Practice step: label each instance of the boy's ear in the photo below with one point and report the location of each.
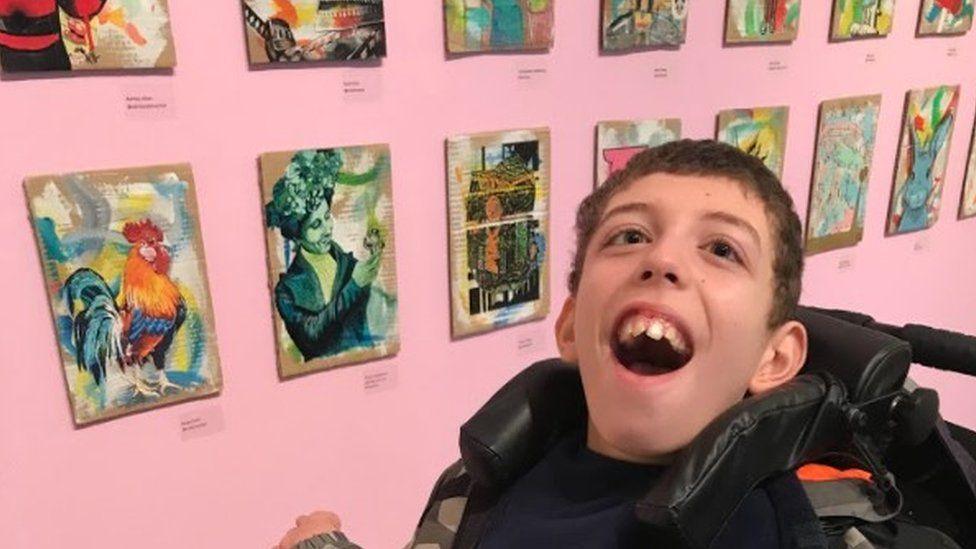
(566, 331)
(784, 356)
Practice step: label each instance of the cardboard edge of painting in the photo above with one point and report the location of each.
(902, 135)
(461, 327)
(32, 185)
(968, 179)
(287, 367)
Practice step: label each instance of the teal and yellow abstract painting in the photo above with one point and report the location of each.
(498, 193)
(842, 168)
(923, 155)
(760, 132)
(125, 273)
(967, 208)
(945, 17)
(861, 18)
(617, 141)
(498, 25)
(630, 24)
(761, 21)
(329, 228)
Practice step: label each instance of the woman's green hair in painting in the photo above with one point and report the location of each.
(310, 178)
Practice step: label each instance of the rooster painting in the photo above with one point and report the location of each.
(134, 327)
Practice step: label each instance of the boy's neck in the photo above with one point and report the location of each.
(597, 444)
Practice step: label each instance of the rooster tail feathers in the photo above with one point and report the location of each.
(97, 334)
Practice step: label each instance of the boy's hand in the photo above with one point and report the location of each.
(306, 526)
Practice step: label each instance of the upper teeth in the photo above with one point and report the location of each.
(654, 328)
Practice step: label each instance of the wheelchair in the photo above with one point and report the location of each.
(852, 406)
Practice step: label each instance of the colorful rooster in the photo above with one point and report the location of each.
(141, 325)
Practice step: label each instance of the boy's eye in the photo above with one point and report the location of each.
(724, 250)
(627, 236)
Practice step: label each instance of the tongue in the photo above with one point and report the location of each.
(646, 369)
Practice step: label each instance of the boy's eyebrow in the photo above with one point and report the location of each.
(630, 207)
(726, 217)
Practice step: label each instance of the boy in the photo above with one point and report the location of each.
(682, 294)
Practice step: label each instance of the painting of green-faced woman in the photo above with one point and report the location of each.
(329, 226)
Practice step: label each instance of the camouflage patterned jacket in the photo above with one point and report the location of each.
(455, 517)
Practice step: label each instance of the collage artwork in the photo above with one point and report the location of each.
(498, 25)
(127, 281)
(75, 35)
(121, 250)
(283, 31)
(842, 167)
(749, 21)
(923, 154)
(498, 192)
(631, 24)
(329, 229)
(619, 140)
(760, 132)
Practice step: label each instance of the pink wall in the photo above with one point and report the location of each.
(321, 440)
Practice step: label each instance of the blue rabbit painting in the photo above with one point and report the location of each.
(922, 160)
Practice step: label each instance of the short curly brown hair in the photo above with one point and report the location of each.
(711, 158)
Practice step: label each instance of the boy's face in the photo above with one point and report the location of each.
(669, 325)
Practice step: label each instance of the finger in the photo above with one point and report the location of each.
(290, 540)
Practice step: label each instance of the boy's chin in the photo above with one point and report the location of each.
(650, 446)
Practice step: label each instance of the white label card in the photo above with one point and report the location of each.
(149, 101)
(202, 423)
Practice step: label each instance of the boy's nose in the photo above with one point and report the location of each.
(661, 266)
(669, 276)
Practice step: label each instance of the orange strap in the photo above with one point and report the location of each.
(816, 472)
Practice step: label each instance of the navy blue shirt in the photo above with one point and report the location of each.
(575, 498)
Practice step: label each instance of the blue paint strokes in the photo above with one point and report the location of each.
(49, 240)
(507, 29)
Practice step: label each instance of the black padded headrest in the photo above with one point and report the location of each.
(757, 438)
(869, 363)
(519, 424)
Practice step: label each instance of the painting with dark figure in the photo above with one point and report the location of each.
(329, 217)
(499, 195)
(64, 35)
(282, 31)
(631, 24)
(123, 260)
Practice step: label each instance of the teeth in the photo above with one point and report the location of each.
(656, 328)
(639, 326)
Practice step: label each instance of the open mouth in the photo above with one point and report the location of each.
(650, 344)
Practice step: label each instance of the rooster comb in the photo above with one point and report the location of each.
(142, 231)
